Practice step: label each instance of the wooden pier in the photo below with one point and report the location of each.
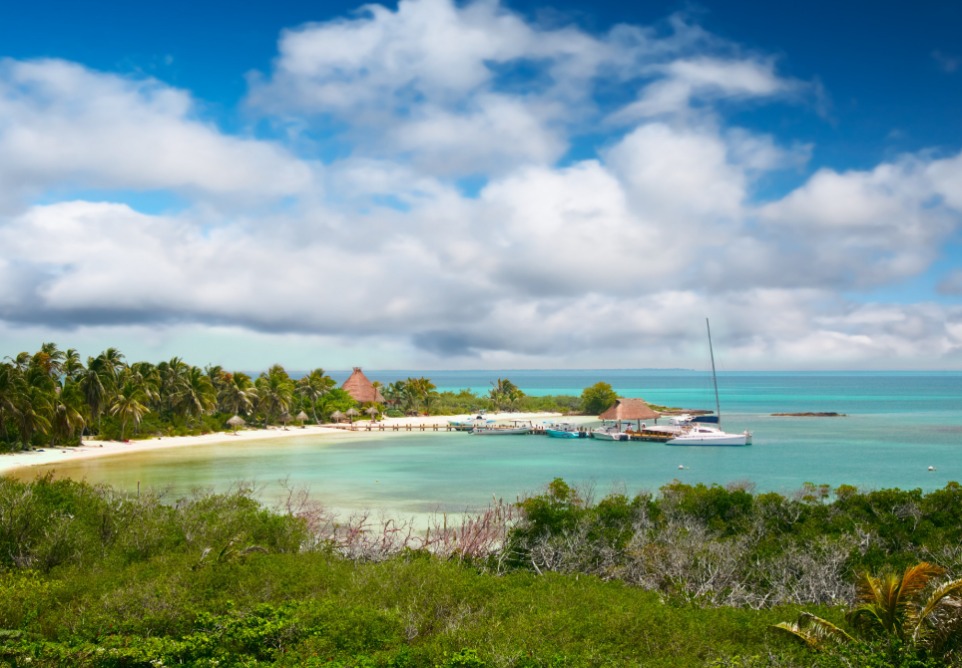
(362, 426)
(650, 436)
(645, 435)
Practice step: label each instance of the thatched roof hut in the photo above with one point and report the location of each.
(361, 389)
(630, 409)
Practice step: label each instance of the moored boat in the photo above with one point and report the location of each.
(701, 434)
(609, 434)
(564, 430)
(698, 431)
(468, 424)
(515, 429)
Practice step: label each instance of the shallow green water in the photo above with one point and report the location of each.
(897, 426)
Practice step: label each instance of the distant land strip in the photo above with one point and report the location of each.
(827, 414)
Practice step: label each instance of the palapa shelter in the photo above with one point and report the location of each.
(630, 410)
(361, 389)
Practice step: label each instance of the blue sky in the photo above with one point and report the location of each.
(484, 185)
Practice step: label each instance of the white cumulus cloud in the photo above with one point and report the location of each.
(62, 124)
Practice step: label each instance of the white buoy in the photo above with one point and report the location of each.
(931, 468)
(681, 466)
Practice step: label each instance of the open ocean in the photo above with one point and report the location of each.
(896, 426)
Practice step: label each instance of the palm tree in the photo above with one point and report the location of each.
(128, 406)
(396, 394)
(31, 416)
(418, 390)
(111, 362)
(313, 386)
(92, 388)
(237, 394)
(9, 391)
(146, 375)
(21, 361)
(893, 606)
(171, 379)
(275, 391)
(49, 359)
(35, 397)
(72, 366)
(216, 375)
(196, 394)
(67, 417)
(505, 394)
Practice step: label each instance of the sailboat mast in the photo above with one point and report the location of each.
(714, 378)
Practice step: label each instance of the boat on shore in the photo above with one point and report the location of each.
(700, 430)
(469, 423)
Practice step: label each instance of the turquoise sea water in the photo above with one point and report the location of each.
(897, 425)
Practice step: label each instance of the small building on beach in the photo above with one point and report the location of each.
(630, 410)
(361, 389)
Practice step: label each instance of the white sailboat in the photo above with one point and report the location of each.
(706, 434)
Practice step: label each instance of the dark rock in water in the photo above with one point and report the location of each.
(827, 414)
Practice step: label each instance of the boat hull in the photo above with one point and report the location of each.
(495, 431)
(468, 424)
(711, 439)
(563, 433)
(609, 435)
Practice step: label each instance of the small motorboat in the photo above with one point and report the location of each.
(469, 423)
(611, 432)
(514, 429)
(565, 430)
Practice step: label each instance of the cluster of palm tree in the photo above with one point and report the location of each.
(505, 395)
(414, 395)
(51, 397)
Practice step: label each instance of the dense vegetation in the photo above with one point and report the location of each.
(53, 397)
(693, 576)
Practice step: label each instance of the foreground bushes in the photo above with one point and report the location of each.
(320, 610)
(695, 576)
(721, 546)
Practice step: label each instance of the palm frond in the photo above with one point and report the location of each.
(869, 589)
(814, 631)
(944, 595)
(797, 632)
(916, 578)
(867, 616)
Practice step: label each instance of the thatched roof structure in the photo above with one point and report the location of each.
(361, 389)
(630, 409)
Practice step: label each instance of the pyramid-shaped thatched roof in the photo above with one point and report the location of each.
(363, 390)
(630, 409)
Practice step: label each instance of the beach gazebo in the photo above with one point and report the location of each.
(351, 414)
(235, 422)
(302, 418)
(337, 415)
(630, 410)
(361, 389)
(373, 412)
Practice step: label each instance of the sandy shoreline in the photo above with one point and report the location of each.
(91, 448)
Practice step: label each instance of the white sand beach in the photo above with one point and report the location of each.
(93, 448)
